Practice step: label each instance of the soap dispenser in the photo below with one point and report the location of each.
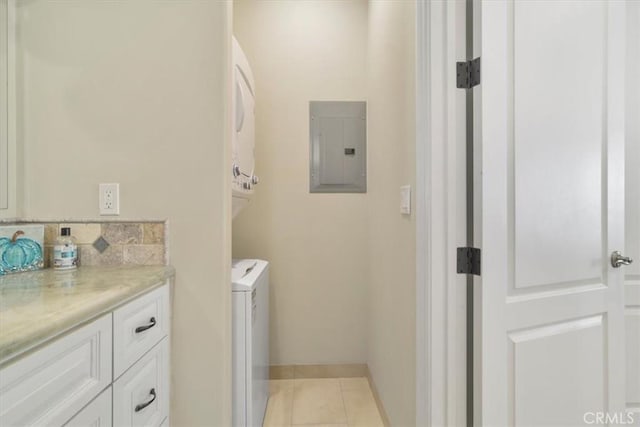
(65, 251)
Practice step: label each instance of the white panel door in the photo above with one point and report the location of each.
(550, 192)
(632, 205)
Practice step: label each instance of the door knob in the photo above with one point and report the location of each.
(617, 259)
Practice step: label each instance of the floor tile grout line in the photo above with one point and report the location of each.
(344, 404)
(293, 393)
(341, 385)
(302, 380)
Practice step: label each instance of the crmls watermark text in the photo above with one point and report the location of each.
(606, 418)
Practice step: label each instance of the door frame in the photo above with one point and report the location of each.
(440, 215)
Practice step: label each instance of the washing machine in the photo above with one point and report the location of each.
(250, 324)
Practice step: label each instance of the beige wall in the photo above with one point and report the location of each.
(316, 243)
(391, 339)
(343, 265)
(135, 92)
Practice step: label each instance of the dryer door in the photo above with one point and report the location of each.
(244, 126)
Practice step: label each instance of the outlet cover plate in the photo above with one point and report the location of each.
(109, 199)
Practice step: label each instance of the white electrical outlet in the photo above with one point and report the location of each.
(109, 196)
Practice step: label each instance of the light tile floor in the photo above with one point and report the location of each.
(336, 402)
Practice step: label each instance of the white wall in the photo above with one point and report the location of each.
(136, 92)
(317, 243)
(391, 340)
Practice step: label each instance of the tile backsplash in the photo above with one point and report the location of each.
(112, 243)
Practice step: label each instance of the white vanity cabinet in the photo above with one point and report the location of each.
(114, 371)
(141, 361)
(98, 413)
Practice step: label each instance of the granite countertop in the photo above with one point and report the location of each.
(39, 306)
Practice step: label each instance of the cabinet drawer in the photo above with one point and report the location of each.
(141, 395)
(50, 385)
(138, 326)
(96, 413)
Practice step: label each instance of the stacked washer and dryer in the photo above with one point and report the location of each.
(249, 277)
(244, 135)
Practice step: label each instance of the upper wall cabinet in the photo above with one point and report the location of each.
(7, 111)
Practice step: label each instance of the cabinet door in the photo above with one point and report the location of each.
(7, 110)
(138, 326)
(96, 413)
(141, 395)
(4, 152)
(52, 384)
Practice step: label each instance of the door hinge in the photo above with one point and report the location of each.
(469, 261)
(468, 73)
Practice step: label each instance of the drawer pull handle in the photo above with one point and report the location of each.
(151, 324)
(141, 406)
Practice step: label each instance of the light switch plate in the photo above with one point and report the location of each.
(405, 199)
